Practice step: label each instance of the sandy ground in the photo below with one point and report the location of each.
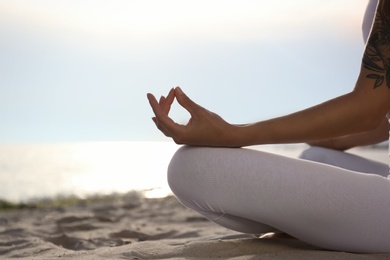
(132, 227)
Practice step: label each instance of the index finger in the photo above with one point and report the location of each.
(162, 118)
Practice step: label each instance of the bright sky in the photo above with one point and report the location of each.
(79, 70)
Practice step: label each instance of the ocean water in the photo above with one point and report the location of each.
(47, 170)
(30, 171)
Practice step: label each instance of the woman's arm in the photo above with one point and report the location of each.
(361, 110)
(378, 135)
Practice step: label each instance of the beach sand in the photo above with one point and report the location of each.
(133, 227)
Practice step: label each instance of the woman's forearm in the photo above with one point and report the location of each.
(380, 134)
(344, 115)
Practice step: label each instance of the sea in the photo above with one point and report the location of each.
(40, 171)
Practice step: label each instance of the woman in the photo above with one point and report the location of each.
(344, 208)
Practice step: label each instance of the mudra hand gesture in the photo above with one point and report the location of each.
(204, 128)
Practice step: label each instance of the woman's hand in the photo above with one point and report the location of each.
(203, 129)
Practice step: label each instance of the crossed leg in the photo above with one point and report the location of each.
(256, 192)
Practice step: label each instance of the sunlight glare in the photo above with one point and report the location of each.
(120, 166)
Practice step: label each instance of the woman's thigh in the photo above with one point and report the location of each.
(321, 204)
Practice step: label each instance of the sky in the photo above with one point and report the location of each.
(79, 70)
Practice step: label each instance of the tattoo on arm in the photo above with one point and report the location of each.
(376, 56)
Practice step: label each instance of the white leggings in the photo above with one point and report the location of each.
(256, 192)
(328, 198)
(368, 18)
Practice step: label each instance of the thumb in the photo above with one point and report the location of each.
(185, 101)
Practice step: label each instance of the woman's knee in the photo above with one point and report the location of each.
(316, 154)
(344, 160)
(176, 168)
(187, 175)
(182, 168)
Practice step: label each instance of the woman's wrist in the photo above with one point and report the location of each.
(248, 134)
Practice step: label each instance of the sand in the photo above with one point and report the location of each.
(132, 227)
